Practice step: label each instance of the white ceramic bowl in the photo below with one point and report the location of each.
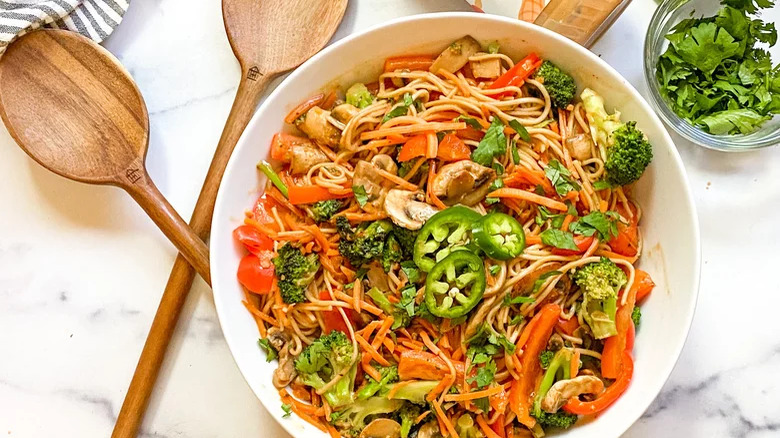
(669, 227)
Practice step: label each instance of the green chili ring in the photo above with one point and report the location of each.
(446, 229)
(455, 285)
(501, 236)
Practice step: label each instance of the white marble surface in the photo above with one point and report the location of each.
(82, 269)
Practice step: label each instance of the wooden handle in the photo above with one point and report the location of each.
(130, 416)
(143, 190)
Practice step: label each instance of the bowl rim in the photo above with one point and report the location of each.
(674, 350)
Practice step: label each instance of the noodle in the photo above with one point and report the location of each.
(381, 301)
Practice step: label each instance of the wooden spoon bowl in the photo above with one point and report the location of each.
(75, 110)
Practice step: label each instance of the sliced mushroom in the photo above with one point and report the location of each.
(376, 185)
(555, 343)
(377, 277)
(454, 57)
(277, 338)
(580, 146)
(429, 430)
(486, 68)
(316, 125)
(463, 182)
(563, 390)
(408, 209)
(382, 428)
(344, 112)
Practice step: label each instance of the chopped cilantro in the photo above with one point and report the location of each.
(270, 351)
(605, 224)
(560, 177)
(360, 195)
(520, 129)
(492, 145)
(559, 239)
(287, 410)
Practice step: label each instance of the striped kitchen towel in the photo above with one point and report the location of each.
(94, 19)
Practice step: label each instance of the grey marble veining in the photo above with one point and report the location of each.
(82, 268)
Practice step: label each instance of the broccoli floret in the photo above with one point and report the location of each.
(560, 420)
(363, 244)
(326, 357)
(628, 151)
(352, 420)
(389, 375)
(600, 282)
(545, 358)
(392, 253)
(408, 414)
(636, 316)
(406, 239)
(401, 317)
(559, 85)
(295, 272)
(629, 155)
(324, 210)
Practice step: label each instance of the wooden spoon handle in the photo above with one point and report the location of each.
(143, 190)
(180, 281)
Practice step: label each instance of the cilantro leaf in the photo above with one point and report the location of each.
(560, 177)
(559, 239)
(400, 110)
(493, 144)
(411, 270)
(743, 120)
(270, 351)
(408, 295)
(469, 121)
(485, 374)
(287, 410)
(360, 195)
(709, 46)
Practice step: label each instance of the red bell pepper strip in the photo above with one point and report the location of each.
(452, 148)
(568, 326)
(627, 240)
(332, 318)
(311, 194)
(614, 346)
(262, 212)
(470, 133)
(413, 62)
(644, 284)
(517, 74)
(413, 148)
(253, 240)
(521, 393)
(606, 398)
(498, 426)
(256, 274)
(582, 242)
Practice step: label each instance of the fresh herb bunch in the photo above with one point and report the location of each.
(715, 75)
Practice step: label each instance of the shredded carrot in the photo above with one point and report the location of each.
(603, 206)
(421, 416)
(333, 432)
(369, 329)
(525, 195)
(447, 423)
(489, 433)
(574, 365)
(304, 107)
(365, 217)
(493, 390)
(408, 129)
(382, 332)
(437, 390)
(566, 222)
(388, 343)
(318, 236)
(371, 371)
(371, 351)
(614, 255)
(396, 179)
(414, 345)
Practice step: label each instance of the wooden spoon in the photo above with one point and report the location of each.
(268, 37)
(75, 110)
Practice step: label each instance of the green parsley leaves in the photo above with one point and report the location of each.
(400, 110)
(493, 144)
(714, 74)
(270, 351)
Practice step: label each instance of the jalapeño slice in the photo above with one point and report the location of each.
(445, 230)
(501, 236)
(455, 285)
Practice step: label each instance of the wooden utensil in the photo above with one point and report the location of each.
(75, 110)
(268, 37)
(582, 21)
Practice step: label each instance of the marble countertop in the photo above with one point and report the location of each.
(82, 268)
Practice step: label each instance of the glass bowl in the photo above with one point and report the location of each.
(668, 14)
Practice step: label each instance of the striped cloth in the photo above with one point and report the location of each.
(95, 19)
